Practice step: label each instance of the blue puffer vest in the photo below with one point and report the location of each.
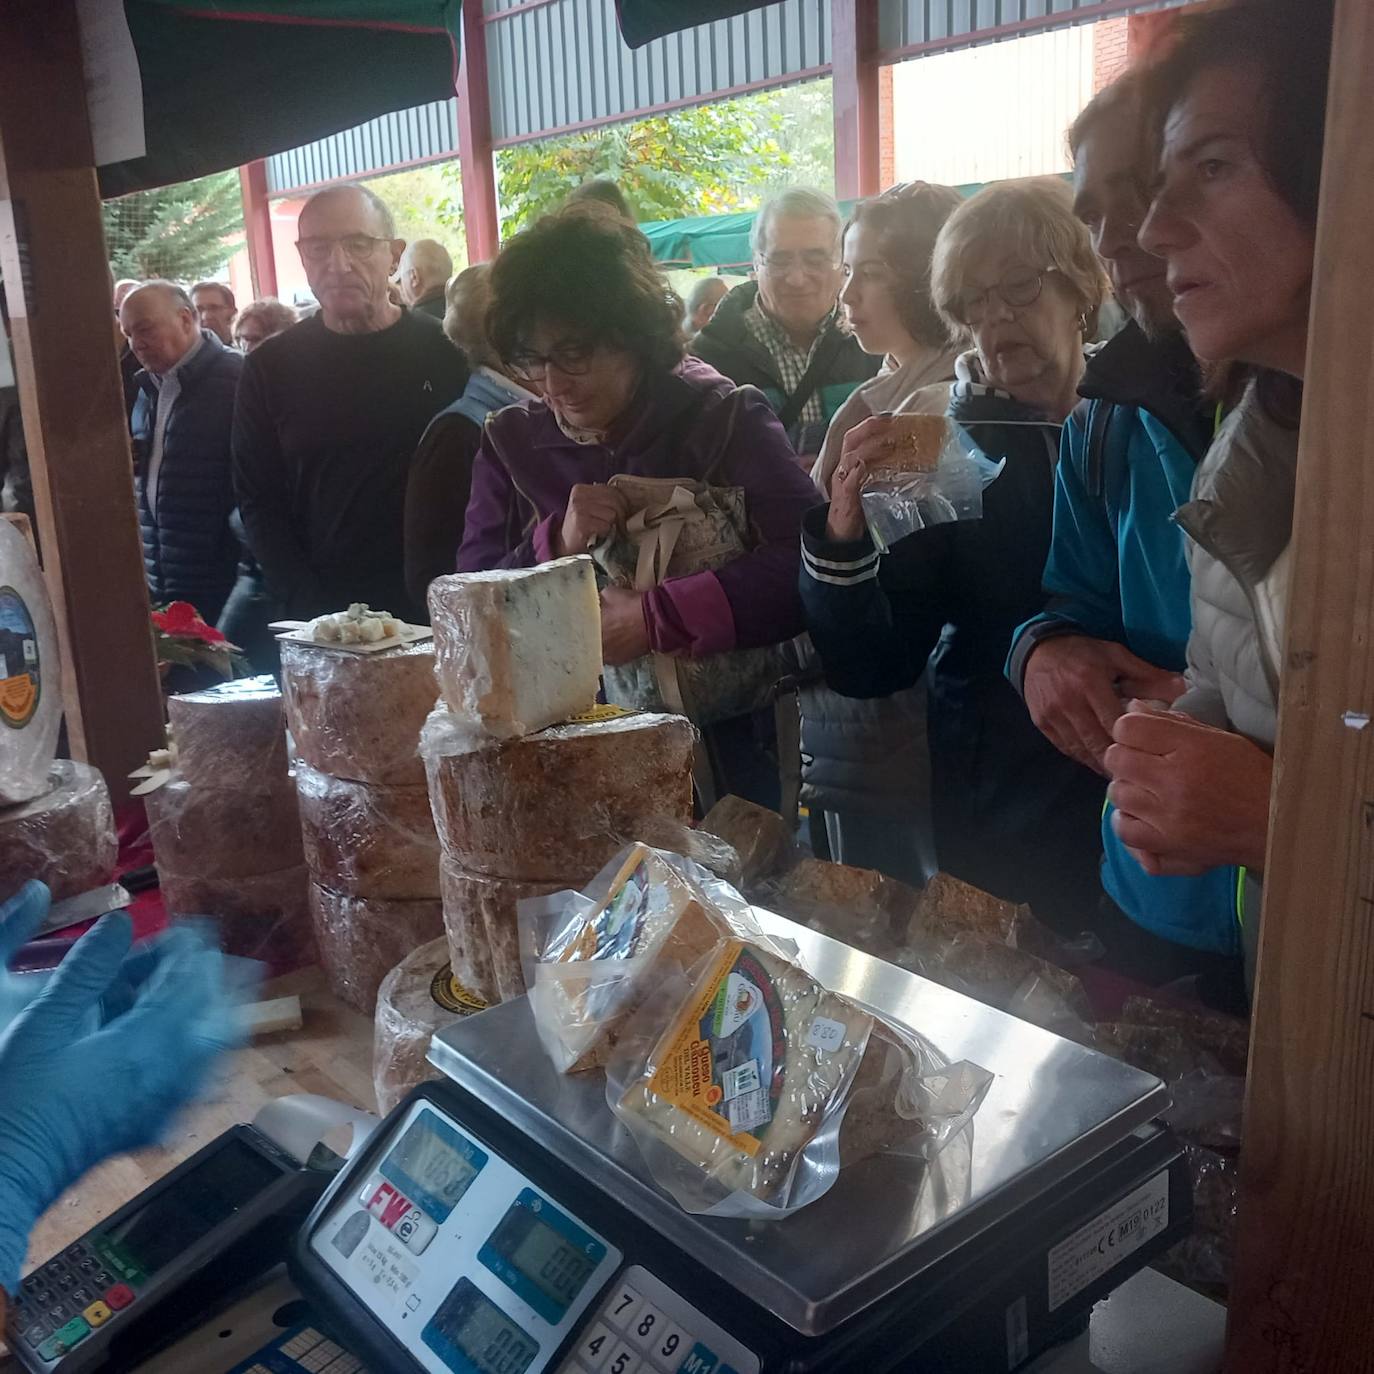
(189, 551)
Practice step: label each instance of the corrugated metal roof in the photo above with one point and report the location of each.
(564, 64)
(904, 25)
(421, 134)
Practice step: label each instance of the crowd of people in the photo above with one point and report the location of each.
(1069, 701)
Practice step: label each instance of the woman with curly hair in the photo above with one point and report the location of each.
(580, 310)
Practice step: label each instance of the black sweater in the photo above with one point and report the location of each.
(1012, 814)
(324, 431)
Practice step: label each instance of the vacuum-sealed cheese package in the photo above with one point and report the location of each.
(64, 837)
(748, 1085)
(30, 672)
(591, 957)
(231, 737)
(359, 715)
(214, 832)
(517, 649)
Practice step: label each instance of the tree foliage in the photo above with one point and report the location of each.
(181, 232)
(706, 160)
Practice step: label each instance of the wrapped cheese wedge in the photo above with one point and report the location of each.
(594, 956)
(65, 836)
(755, 1065)
(231, 737)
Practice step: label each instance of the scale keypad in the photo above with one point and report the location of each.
(644, 1327)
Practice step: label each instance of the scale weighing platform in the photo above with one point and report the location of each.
(502, 1221)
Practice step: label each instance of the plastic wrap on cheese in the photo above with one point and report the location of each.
(948, 907)
(264, 916)
(862, 908)
(217, 832)
(65, 837)
(231, 736)
(359, 715)
(756, 1061)
(366, 839)
(517, 649)
(761, 838)
(30, 673)
(361, 939)
(478, 909)
(557, 805)
(419, 996)
(593, 956)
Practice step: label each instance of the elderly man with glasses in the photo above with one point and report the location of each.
(329, 414)
(783, 332)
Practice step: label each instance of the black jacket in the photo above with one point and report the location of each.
(1012, 814)
(729, 345)
(189, 552)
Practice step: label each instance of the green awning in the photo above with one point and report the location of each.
(641, 21)
(228, 81)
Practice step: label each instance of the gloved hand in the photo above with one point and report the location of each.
(20, 918)
(69, 1099)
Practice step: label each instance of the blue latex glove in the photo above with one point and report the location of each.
(20, 918)
(69, 1099)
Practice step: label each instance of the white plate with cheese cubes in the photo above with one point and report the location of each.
(358, 630)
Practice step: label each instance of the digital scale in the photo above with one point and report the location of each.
(502, 1221)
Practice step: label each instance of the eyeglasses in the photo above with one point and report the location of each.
(357, 247)
(814, 262)
(1017, 290)
(572, 360)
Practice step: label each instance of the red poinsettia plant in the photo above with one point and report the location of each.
(182, 637)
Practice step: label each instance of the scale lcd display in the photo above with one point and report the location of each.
(552, 1261)
(473, 1336)
(433, 1165)
(169, 1223)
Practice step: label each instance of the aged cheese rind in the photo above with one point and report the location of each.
(65, 838)
(518, 649)
(361, 939)
(474, 907)
(405, 1021)
(368, 840)
(814, 1080)
(948, 906)
(864, 909)
(231, 736)
(264, 916)
(215, 832)
(759, 836)
(359, 715)
(560, 804)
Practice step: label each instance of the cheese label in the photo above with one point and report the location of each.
(612, 930)
(20, 671)
(724, 1060)
(452, 995)
(596, 714)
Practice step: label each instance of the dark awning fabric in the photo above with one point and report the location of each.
(641, 21)
(228, 81)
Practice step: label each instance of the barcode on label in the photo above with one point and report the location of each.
(825, 1034)
(744, 1079)
(748, 1111)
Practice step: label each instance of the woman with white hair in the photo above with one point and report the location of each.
(1013, 275)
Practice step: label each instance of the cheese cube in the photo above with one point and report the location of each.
(518, 649)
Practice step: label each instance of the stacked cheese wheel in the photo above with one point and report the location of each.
(64, 837)
(225, 829)
(526, 800)
(364, 809)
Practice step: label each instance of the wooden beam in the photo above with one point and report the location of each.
(856, 96)
(257, 224)
(1302, 1299)
(57, 286)
(475, 157)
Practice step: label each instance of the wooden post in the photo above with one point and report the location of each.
(257, 225)
(57, 286)
(480, 223)
(1302, 1299)
(856, 95)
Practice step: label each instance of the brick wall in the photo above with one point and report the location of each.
(1111, 51)
(887, 157)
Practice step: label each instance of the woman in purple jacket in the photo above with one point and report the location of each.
(579, 308)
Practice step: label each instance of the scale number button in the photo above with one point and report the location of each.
(623, 1361)
(648, 1322)
(669, 1345)
(624, 1307)
(596, 1349)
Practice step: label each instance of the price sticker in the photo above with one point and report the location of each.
(825, 1034)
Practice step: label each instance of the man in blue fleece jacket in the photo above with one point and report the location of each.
(1117, 623)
